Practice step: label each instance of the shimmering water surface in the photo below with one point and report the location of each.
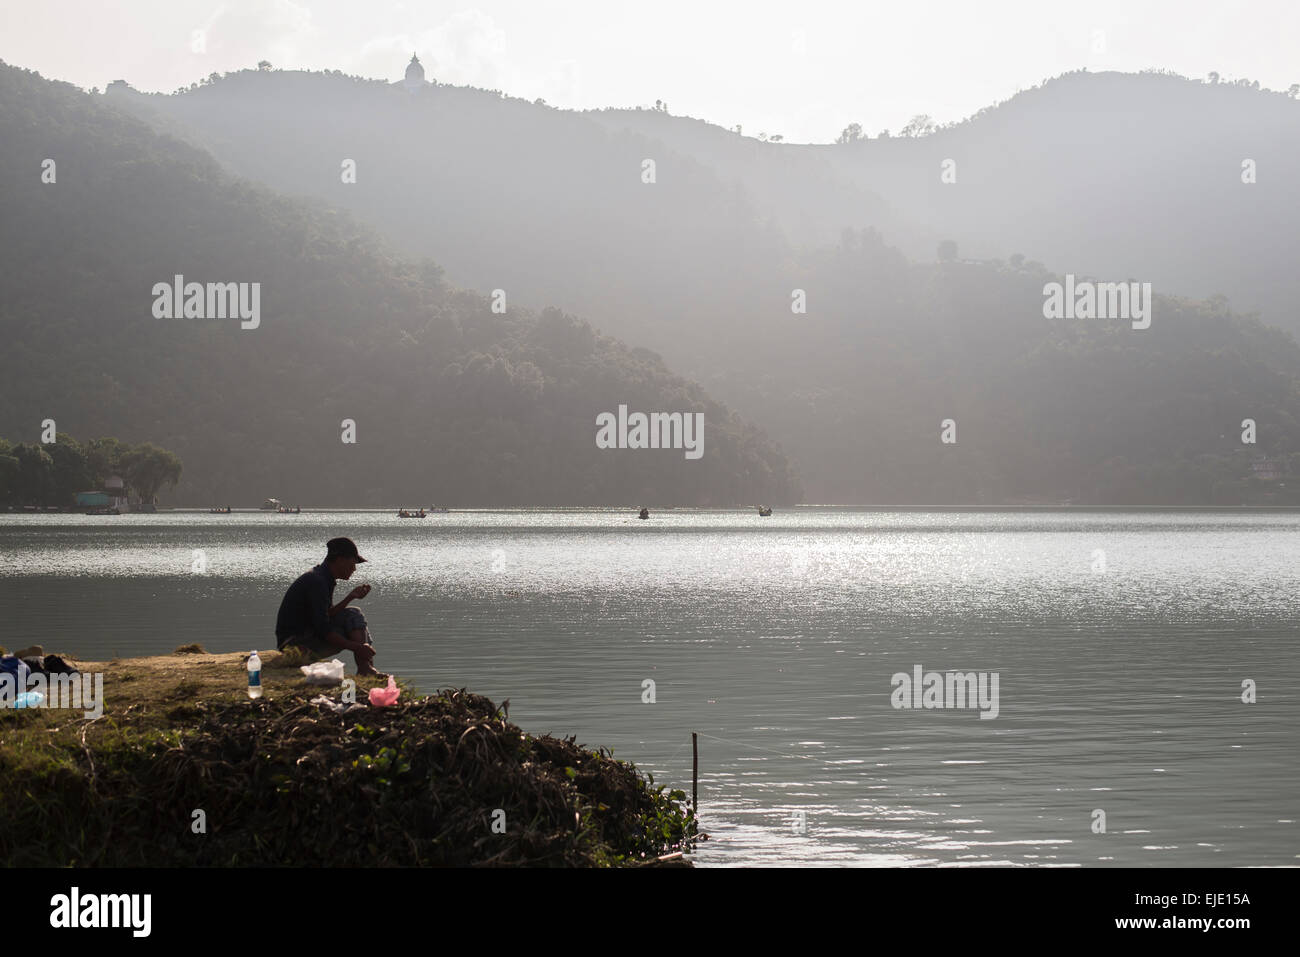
(1121, 641)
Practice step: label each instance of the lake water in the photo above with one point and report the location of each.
(1121, 641)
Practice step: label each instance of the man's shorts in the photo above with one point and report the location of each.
(344, 623)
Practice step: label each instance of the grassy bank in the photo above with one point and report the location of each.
(183, 769)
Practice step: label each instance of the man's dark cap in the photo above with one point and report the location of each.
(342, 546)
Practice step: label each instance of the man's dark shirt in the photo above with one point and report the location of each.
(306, 606)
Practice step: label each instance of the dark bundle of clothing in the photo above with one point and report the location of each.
(23, 668)
(49, 665)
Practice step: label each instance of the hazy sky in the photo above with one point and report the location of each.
(802, 69)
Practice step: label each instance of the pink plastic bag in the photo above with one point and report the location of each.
(381, 697)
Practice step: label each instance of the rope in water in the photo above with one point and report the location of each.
(803, 757)
(753, 747)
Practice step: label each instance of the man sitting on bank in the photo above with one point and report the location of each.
(309, 619)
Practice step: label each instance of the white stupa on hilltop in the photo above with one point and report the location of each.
(414, 75)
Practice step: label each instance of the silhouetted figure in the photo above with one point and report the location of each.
(308, 618)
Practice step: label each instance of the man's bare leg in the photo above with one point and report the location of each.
(362, 651)
(365, 655)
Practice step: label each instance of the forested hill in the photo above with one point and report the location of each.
(1108, 173)
(452, 402)
(703, 265)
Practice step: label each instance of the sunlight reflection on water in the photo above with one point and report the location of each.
(777, 637)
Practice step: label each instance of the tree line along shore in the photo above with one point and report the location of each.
(60, 472)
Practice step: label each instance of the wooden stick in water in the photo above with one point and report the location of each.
(695, 774)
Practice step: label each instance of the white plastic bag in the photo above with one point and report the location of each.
(324, 672)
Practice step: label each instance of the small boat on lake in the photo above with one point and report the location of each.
(644, 513)
(286, 510)
(271, 505)
(765, 510)
(410, 513)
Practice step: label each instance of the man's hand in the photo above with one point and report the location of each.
(361, 591)
(364, 653)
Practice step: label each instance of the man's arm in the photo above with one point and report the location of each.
(342, 642)
(336, 639)
(357, 593)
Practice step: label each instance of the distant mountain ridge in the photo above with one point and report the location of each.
(1110, 174)
(705, 254)
(450, 402)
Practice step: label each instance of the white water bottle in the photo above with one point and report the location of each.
(254, 675)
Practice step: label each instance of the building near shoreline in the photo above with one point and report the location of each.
(112, 495)
(1268, 469)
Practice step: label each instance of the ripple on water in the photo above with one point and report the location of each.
(1120, 689)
